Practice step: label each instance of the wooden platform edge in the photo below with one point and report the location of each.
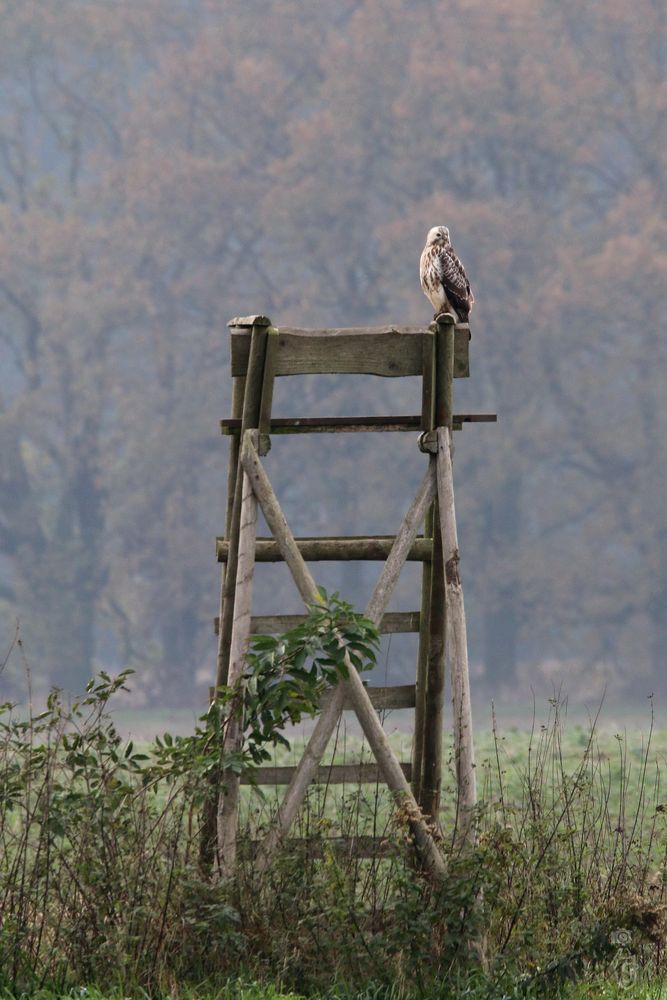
(389, 351)
(351, 425)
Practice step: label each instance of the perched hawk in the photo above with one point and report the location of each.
(442, 276)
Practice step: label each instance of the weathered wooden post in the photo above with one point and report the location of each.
(433, 730)
(247, 391)
(424, 650)
(457, 642)
(250, 413)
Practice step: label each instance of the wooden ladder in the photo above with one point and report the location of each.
(259, 354)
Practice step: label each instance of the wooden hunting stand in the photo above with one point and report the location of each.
(439, 353)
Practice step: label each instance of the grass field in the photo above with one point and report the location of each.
(594, 990)
(629, 762)
(101, 879)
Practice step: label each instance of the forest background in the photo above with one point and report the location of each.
(168, 164)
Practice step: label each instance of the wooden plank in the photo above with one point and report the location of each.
(330, 425)
(363, 548)
(333, 774)
(393, 775)
(347, 425)
(388, 698)
(393, 623)
(464, 750)
(386, 351)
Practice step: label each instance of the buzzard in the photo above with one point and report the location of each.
(442, 276)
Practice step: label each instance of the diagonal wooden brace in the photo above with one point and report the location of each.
(333, 703)
(352, 686)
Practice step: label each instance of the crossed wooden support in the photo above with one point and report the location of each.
(256, 488)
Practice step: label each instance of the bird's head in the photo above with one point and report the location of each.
(439, 234)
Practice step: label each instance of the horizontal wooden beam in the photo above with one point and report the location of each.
(386, 699)
(334, 774)
(387, 351)
(318, 847)
(392, 622)
(344, 549)
(330, 425)
(347, 425)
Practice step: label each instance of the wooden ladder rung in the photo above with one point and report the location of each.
(389, 698)
(344, 548)
(333, 774)
(348, 425)
(392, 622)
(386, 699)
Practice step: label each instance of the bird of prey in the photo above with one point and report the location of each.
(442, 276)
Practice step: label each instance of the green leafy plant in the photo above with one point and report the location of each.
(100, 880)
(288, 674)
(284, 680)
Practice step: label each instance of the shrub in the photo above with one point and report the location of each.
(100, 878)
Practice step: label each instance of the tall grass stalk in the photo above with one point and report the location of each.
(100, 879)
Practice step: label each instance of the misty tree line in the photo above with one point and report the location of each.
(169, 164)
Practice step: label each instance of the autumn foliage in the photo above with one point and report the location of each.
(167, 165)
